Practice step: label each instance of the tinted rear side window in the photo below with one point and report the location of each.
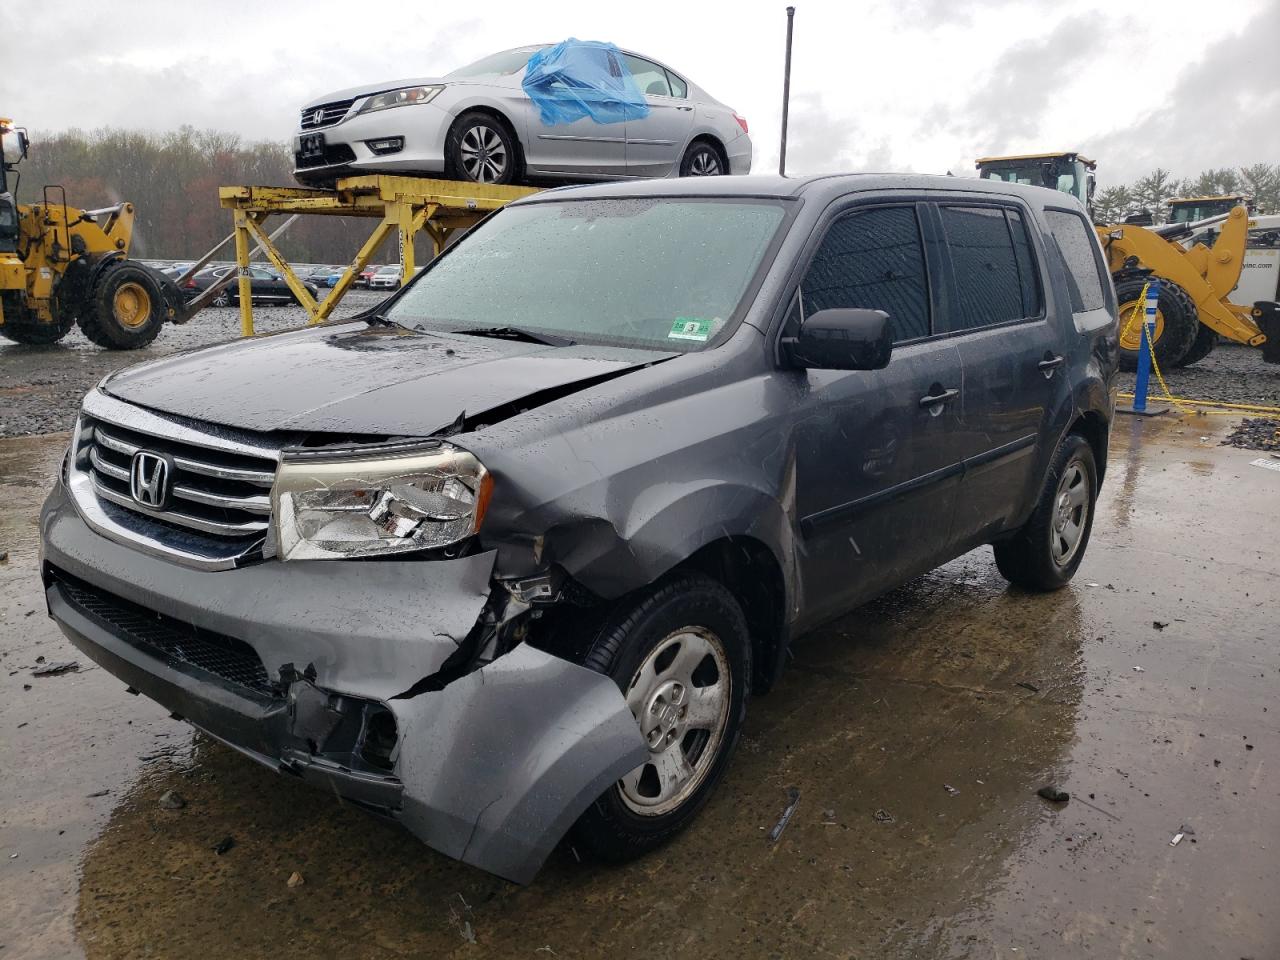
(873, 259)
(1028, 276)
(988, 278)
(1078, 244)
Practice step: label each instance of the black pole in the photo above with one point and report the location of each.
(786, 95)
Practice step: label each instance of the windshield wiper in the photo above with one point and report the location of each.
(519, 333)
(384, 320)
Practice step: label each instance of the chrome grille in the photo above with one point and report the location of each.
(325, 115)
(215, 492)
(219, 493)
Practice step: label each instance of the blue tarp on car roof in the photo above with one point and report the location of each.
(583, 78)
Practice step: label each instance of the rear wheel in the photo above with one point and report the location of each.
(702, 160)
(22, 326)
(481, 149)
(125, 310)
(681, 655)
(1177, 323)
(1046, 552)
(1206, 339)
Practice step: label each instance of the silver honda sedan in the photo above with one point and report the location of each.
(477, 123)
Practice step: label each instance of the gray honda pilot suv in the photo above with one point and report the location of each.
(504, 560)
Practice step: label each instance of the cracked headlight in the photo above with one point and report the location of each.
(329, 509)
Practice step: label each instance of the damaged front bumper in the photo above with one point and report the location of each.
(324, 670)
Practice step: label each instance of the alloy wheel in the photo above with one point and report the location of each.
(705, 163)
(680, 697)
(484, 155)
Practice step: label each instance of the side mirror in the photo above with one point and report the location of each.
(846, 339)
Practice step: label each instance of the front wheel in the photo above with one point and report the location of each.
(481, 149)
(681, 655)
(1176, 325)
(1046, 552)
(126, 308)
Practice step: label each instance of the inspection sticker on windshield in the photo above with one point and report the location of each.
(690, 328)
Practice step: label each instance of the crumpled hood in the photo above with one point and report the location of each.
(354, 378)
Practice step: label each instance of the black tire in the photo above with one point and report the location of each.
(481, 149)
(126, 308)
(702, 159)
(1027, 559)
(1181, 322)
(611, 829)
(21, 326)
(1206, 339)
(222, 298)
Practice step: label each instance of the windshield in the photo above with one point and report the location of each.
(1201, 210)
(508, 61)
(660, 273)
(1064, 177)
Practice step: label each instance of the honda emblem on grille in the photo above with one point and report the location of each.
(150, 476)
(317, 118)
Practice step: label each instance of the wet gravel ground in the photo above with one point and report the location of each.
(1233, 373)
(41, 387)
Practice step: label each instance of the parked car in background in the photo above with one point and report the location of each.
(266, 285)
(365, 275)
(477, 123)
(386, 278)
(319, 275)
(507, 559)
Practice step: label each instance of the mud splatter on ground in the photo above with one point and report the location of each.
(1256, 433)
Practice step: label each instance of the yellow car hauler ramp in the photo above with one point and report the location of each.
(406, 205)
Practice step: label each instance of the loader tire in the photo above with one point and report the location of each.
(22, 326)
(1177, 322)
(1206, 339)
(125, 309)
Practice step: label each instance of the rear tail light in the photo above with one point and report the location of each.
(742, 122)
(190, 284)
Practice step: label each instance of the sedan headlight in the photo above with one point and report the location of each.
(402, 97)
(347, 508)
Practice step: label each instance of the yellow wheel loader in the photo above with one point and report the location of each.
(1194, 306)
(60, 266)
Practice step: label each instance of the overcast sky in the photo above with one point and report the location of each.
(918, 85)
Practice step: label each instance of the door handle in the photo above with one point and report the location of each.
(684, 108)
(1049, 364)
(935, 399)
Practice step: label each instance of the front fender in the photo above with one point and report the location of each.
(667, 524)
(499, 764)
